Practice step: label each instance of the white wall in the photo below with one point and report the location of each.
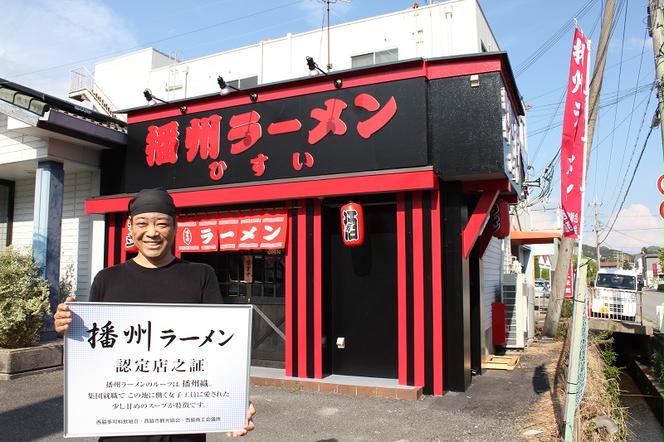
(492, 270)
(75, 241)
(455, 27)
(15, 146)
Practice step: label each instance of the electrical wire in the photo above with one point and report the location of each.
(631, 113)
(551, 41)
(636, 167)
(615, 112)
(636, 141)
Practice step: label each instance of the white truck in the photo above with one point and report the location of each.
(615, 294)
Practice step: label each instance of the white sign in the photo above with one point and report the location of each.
(134, 369)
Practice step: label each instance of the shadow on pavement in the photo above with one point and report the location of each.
(32, 422)
(541, 382)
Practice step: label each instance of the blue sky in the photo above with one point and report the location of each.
(73, 33)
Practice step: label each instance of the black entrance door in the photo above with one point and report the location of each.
(361, 295)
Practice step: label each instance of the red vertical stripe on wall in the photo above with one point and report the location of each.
(401, 291)
(288, 301)
(302, 289)
(437, 293)
(318, 312)
(110, 240)
(418, 290)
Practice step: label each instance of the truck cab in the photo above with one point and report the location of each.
(615, 294)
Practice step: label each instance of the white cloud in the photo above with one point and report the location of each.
(39, 40)
(545, 219)
(636, 227)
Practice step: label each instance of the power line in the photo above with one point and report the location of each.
(622, 203)
(551, 41)
(615, 113)
(631, 113)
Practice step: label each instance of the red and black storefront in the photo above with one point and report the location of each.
(426, 149)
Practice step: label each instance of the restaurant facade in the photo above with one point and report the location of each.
(351, 209)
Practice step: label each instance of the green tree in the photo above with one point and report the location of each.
(627, 265)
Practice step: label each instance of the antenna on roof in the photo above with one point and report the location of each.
(327, 5)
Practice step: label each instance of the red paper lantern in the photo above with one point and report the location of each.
(130, 247)
(500, 219)
(352, 224)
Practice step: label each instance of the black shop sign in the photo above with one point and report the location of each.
(376, 127)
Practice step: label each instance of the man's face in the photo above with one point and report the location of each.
(153, 234)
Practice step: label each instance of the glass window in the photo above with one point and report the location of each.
(362, 60)
(387, 56)
(249, 82)
(251, 273)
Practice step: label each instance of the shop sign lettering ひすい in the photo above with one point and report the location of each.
(348, 130)
(257, 231)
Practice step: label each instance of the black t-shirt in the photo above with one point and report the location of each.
(178, 282)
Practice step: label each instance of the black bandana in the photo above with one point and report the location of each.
(152, 200)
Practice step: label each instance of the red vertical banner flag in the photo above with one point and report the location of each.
(572, 158)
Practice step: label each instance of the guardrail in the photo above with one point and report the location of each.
(620, 305)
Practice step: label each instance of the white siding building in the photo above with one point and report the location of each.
(454, 27)
(56, 147)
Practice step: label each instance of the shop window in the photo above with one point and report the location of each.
(6, 212)
(377, 57)
(251, 274)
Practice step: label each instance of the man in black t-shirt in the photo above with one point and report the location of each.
(154, 275)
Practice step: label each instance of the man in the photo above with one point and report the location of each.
(154, 275)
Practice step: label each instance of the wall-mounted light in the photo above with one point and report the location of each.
(225, 89)
(313, 67)
(338, 83)
(151, 99)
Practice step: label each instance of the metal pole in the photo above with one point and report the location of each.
(655, 22)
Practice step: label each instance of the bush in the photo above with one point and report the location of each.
(23, 299)
(566, 310)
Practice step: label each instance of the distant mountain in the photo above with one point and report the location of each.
(607, 253)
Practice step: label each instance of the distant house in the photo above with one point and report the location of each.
(648, 266)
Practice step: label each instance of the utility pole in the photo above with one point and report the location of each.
(655, 30)
(596, 205)
(566, 246)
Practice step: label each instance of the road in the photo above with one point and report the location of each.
(651, 299)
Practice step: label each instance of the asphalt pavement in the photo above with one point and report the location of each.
(31, 409)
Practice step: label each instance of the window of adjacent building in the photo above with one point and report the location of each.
(6, 212)
(377, 57)
(244, 83)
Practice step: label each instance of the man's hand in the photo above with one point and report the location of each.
(62, 317)
(251, 411)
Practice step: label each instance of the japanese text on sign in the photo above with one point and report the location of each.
(156, 368)
(572, 158)
(244, 133)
